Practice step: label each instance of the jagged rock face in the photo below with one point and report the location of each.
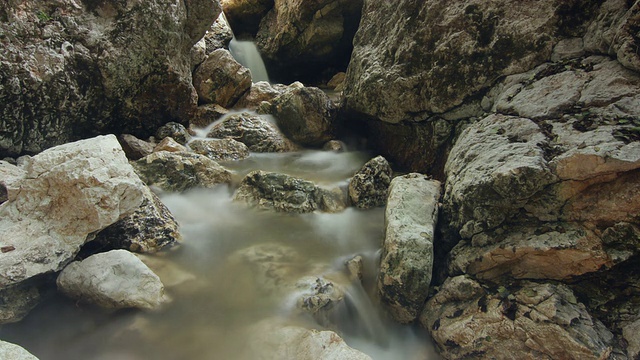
(406, 262)
(70, 70)
(299, 39)
(116, 279)
(65, 194)
(305, 115)
(221, 79)
(527, 321)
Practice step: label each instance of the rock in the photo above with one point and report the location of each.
(305, 115)
(116, 279)
(299, 39)
(221, 79)
(180, 171)
(334, 199)
(72, 70)
(631, 334)
(151, 228)
(335, 146)
(18, 300)
(67, 193)
(529, 321)
(259, 92)
(198, 53)
(220, 149)
(404, 68)
(168, 144)
(169, 273)
(174, 130)
(256, 132)
(218, 36)
(207, 114)
(278, 192)
(11, 351)
(406, 262)
(568, 49)
(368, 187)
(133, 147)
(355, 266)
(244, 15)
(273, 338)
(337, 81)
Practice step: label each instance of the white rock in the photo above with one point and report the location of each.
(9, 351)
(67, 192)
(630, 333)
(115, 279)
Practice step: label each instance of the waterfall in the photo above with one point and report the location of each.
(246, 53)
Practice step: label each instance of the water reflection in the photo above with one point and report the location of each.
(214, 311)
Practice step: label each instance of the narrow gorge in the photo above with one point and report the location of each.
(330, 179)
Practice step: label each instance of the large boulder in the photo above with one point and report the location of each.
(244, 15)
(406, 262)
(70, 70)
(180, 171)
(299, 39)
(220, 149)
(528, 321)
(305, 115)
(221, 79)
(65, 194)
(149, 229)
(14, 352)
(255, 131)
(116, 279)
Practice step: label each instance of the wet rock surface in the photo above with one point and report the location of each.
(368, 187)
(279, 192)
(254, 131)
(180, 171)
(220, 149)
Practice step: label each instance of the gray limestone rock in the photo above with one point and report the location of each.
(174, 130)
(221, 79)
(11, 351)
(278, 192)
(406, 262)
(368, 187)
(220, 149)
(115, 279)
(253, 130)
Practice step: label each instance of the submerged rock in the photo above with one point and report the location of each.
(14, 352)
(406, 262)
(253, 130)
(67, 193)
(221, 79)
(18, 300)
(73, 69)
(116, 279)
(528, 321)
(305, 115)
(180, 171)
(151, 228)
(368, 187)
(220, 149)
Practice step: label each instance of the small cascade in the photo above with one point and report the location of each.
(246, 53)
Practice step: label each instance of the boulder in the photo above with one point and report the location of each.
(528, 321)
(221, 79)
(631, 334)
(218, 36)
(133, 147)
(368, 187)
(300, 39)
(278, 192)
(276, 338)
(149, 229)
(305, 115)
(208, 114)
(220, 149)
(174, 130)
(72, 70)
(259, 92)
(67, 193)
(180, 171)
(253, 130)
(404, 68)
(116, 279)
(14, 352)
(168, 144)
(406, 262)
(244, 15)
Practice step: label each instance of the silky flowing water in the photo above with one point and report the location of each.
(216, 302)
